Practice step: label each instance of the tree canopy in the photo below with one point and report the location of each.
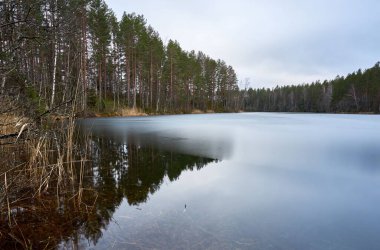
(357, 92)
(77, 50)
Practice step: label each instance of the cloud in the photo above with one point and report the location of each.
(273, 41)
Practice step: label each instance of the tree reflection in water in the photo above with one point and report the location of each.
(115, 170)
(126, 170)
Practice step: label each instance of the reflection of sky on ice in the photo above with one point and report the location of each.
(286, 181)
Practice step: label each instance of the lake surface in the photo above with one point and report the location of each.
(235, 181)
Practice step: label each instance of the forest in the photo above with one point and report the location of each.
(358, 92)
(56, 54)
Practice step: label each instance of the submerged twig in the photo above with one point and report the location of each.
(6, 194)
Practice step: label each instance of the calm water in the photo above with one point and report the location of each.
(248, 181)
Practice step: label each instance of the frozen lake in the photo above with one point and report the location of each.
(236, 181)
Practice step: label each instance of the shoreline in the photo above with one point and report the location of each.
(139, 113)
(118, 115)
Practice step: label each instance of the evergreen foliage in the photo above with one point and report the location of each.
(77, 50)
(358, 92)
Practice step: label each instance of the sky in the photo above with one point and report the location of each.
(270, 42)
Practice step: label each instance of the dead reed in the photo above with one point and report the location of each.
(42, 195)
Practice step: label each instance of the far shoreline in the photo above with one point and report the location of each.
(199, 112)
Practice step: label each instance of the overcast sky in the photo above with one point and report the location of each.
(272, 42)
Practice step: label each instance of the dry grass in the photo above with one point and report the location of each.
(42, 195)
(131, 112)
(197, 111)
(38, 176)
(10, 124)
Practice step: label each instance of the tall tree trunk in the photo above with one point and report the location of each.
(105, 75)
(128, 78)
(151, 81)
(353, 94)
(55, 41)
(84, 59)
(171, 84)
(158, 92)
(134, 81)
(100, 85)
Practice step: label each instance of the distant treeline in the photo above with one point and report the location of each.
(357, 92)
(76, 51)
